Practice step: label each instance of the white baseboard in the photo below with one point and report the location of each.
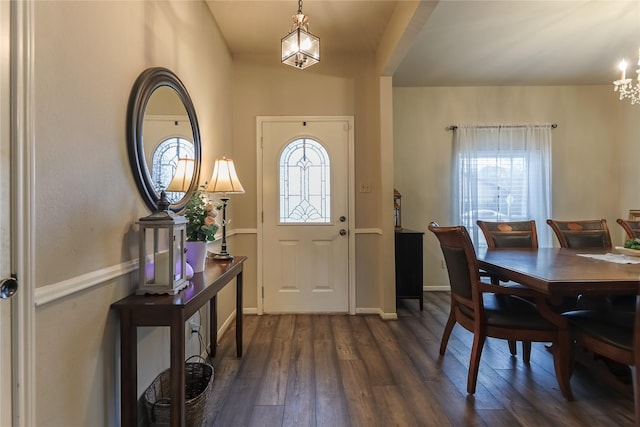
(379, 312)
(436, 288)
(225, 325)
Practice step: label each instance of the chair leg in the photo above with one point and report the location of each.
(636, 392)
(526, 351)
(474, 363)
(512, 347)
(451, 322)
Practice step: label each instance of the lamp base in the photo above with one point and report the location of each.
(223, 256)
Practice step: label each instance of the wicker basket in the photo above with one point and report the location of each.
(198, 386)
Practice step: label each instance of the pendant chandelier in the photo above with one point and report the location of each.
(626, 87)
(300, 48)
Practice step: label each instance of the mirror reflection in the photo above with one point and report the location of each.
(167, 138)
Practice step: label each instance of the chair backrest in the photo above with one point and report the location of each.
(515, 234)
(582, 234)
(632, 228)
(460, 257)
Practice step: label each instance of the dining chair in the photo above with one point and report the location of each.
(581, 234)
(611, 334)
(493, 311)
(510, 234)
(514, 234)
(632, 228)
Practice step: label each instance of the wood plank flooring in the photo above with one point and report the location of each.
(339, 370)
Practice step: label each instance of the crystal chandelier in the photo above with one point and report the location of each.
(625, 87)
(300, 48)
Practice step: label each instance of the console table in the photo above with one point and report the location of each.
(173, 311)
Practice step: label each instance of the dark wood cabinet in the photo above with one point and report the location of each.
(409, 264)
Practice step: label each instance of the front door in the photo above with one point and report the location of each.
(305, 211)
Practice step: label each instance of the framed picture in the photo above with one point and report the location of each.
(634, 215)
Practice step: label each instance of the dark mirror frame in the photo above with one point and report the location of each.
(144, 86)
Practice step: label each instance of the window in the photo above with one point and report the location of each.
(165, 159)
(502, 173)
(305, 188)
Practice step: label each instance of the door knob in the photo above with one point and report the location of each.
(343, 232)
(8, 287)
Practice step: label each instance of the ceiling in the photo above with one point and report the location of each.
(462, 43)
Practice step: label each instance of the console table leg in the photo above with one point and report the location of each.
(177, 372)
(128, 369)
(239, 314)
(213, 325)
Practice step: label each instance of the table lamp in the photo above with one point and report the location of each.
(181, 180)
(224, 180)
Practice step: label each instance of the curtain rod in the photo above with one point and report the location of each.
(553, 126)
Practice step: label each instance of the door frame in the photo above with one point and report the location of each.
(6, 345)
(350, 194)
(22, 210)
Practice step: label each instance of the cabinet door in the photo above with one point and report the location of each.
(409, 265)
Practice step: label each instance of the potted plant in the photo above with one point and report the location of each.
(201, 228)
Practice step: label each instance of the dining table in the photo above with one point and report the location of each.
(564, 271)
(561, 272)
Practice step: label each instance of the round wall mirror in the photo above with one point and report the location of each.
(163, 139)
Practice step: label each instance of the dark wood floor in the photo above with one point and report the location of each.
(338, 370)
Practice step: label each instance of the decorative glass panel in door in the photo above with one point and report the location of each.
(305, 183)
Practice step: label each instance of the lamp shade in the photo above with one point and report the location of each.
(181, 180)
(224, 178)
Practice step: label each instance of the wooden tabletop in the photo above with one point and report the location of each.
(560, 271)
(215, 275)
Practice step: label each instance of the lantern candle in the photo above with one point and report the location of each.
(162, 274)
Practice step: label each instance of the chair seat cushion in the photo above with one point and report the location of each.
(508, 311)
(612, 303)
(615, 328)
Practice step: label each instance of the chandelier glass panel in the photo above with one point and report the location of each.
(300, 48)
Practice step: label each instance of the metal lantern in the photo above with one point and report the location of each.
(162, 239)
(300, 48)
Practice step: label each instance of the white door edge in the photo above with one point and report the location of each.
(351, 208)
(23, 210)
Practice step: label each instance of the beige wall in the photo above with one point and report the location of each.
(629, 129)
(593, 130)
(86, 59)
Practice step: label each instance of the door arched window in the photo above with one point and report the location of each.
(305, 186)
(165, 159)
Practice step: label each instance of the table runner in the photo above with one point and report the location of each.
(617, 258)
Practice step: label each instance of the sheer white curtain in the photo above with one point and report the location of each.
(502, 173)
